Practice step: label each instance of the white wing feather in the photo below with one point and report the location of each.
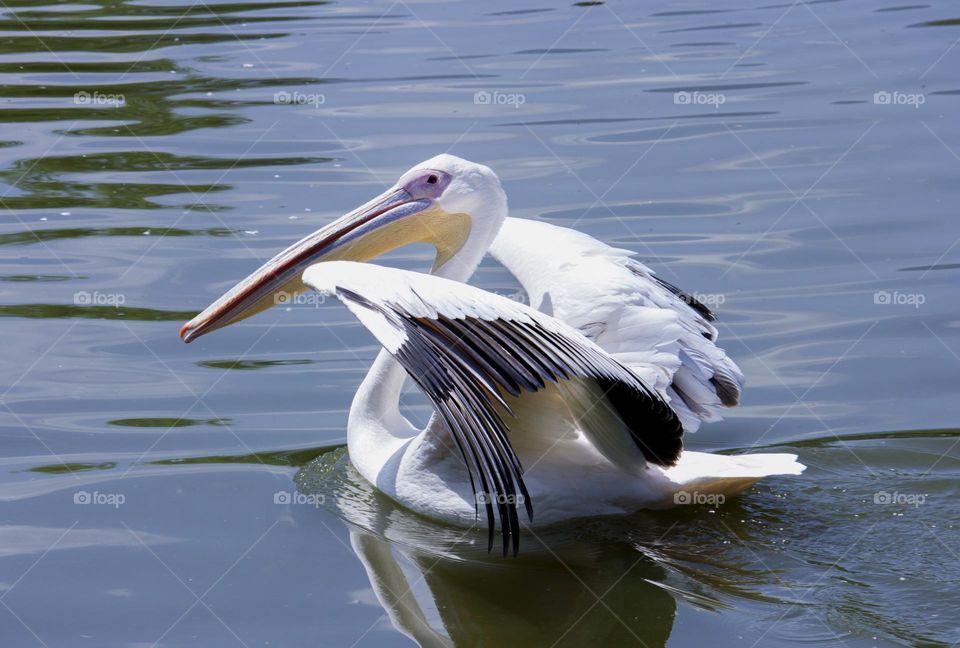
(662, 334)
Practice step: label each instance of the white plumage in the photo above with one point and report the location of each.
(572, 406)
(617, 302)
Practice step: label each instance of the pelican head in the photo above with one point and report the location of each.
(453, 204)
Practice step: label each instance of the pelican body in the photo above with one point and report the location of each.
(570, 406)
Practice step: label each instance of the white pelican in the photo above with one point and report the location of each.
(572, 406)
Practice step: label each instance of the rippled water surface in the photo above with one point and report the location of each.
(795, 164)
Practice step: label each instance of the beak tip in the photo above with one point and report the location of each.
(186, 333)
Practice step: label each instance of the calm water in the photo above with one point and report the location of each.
(795, 164)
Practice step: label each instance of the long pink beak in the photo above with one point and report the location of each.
(260, 290)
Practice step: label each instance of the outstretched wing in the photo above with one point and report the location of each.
(662, 333)
(470, 351)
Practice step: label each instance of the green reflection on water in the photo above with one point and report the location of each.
(295, 457)
(251, 364)
(41, 236)
(60, 468)
(41, 183)
(124, 8)
(45, 311)
(160, 422)
(38, 278)
(151, 98)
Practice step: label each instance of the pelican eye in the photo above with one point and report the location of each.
(432, 179)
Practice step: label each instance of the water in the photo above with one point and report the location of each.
(742, 150)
